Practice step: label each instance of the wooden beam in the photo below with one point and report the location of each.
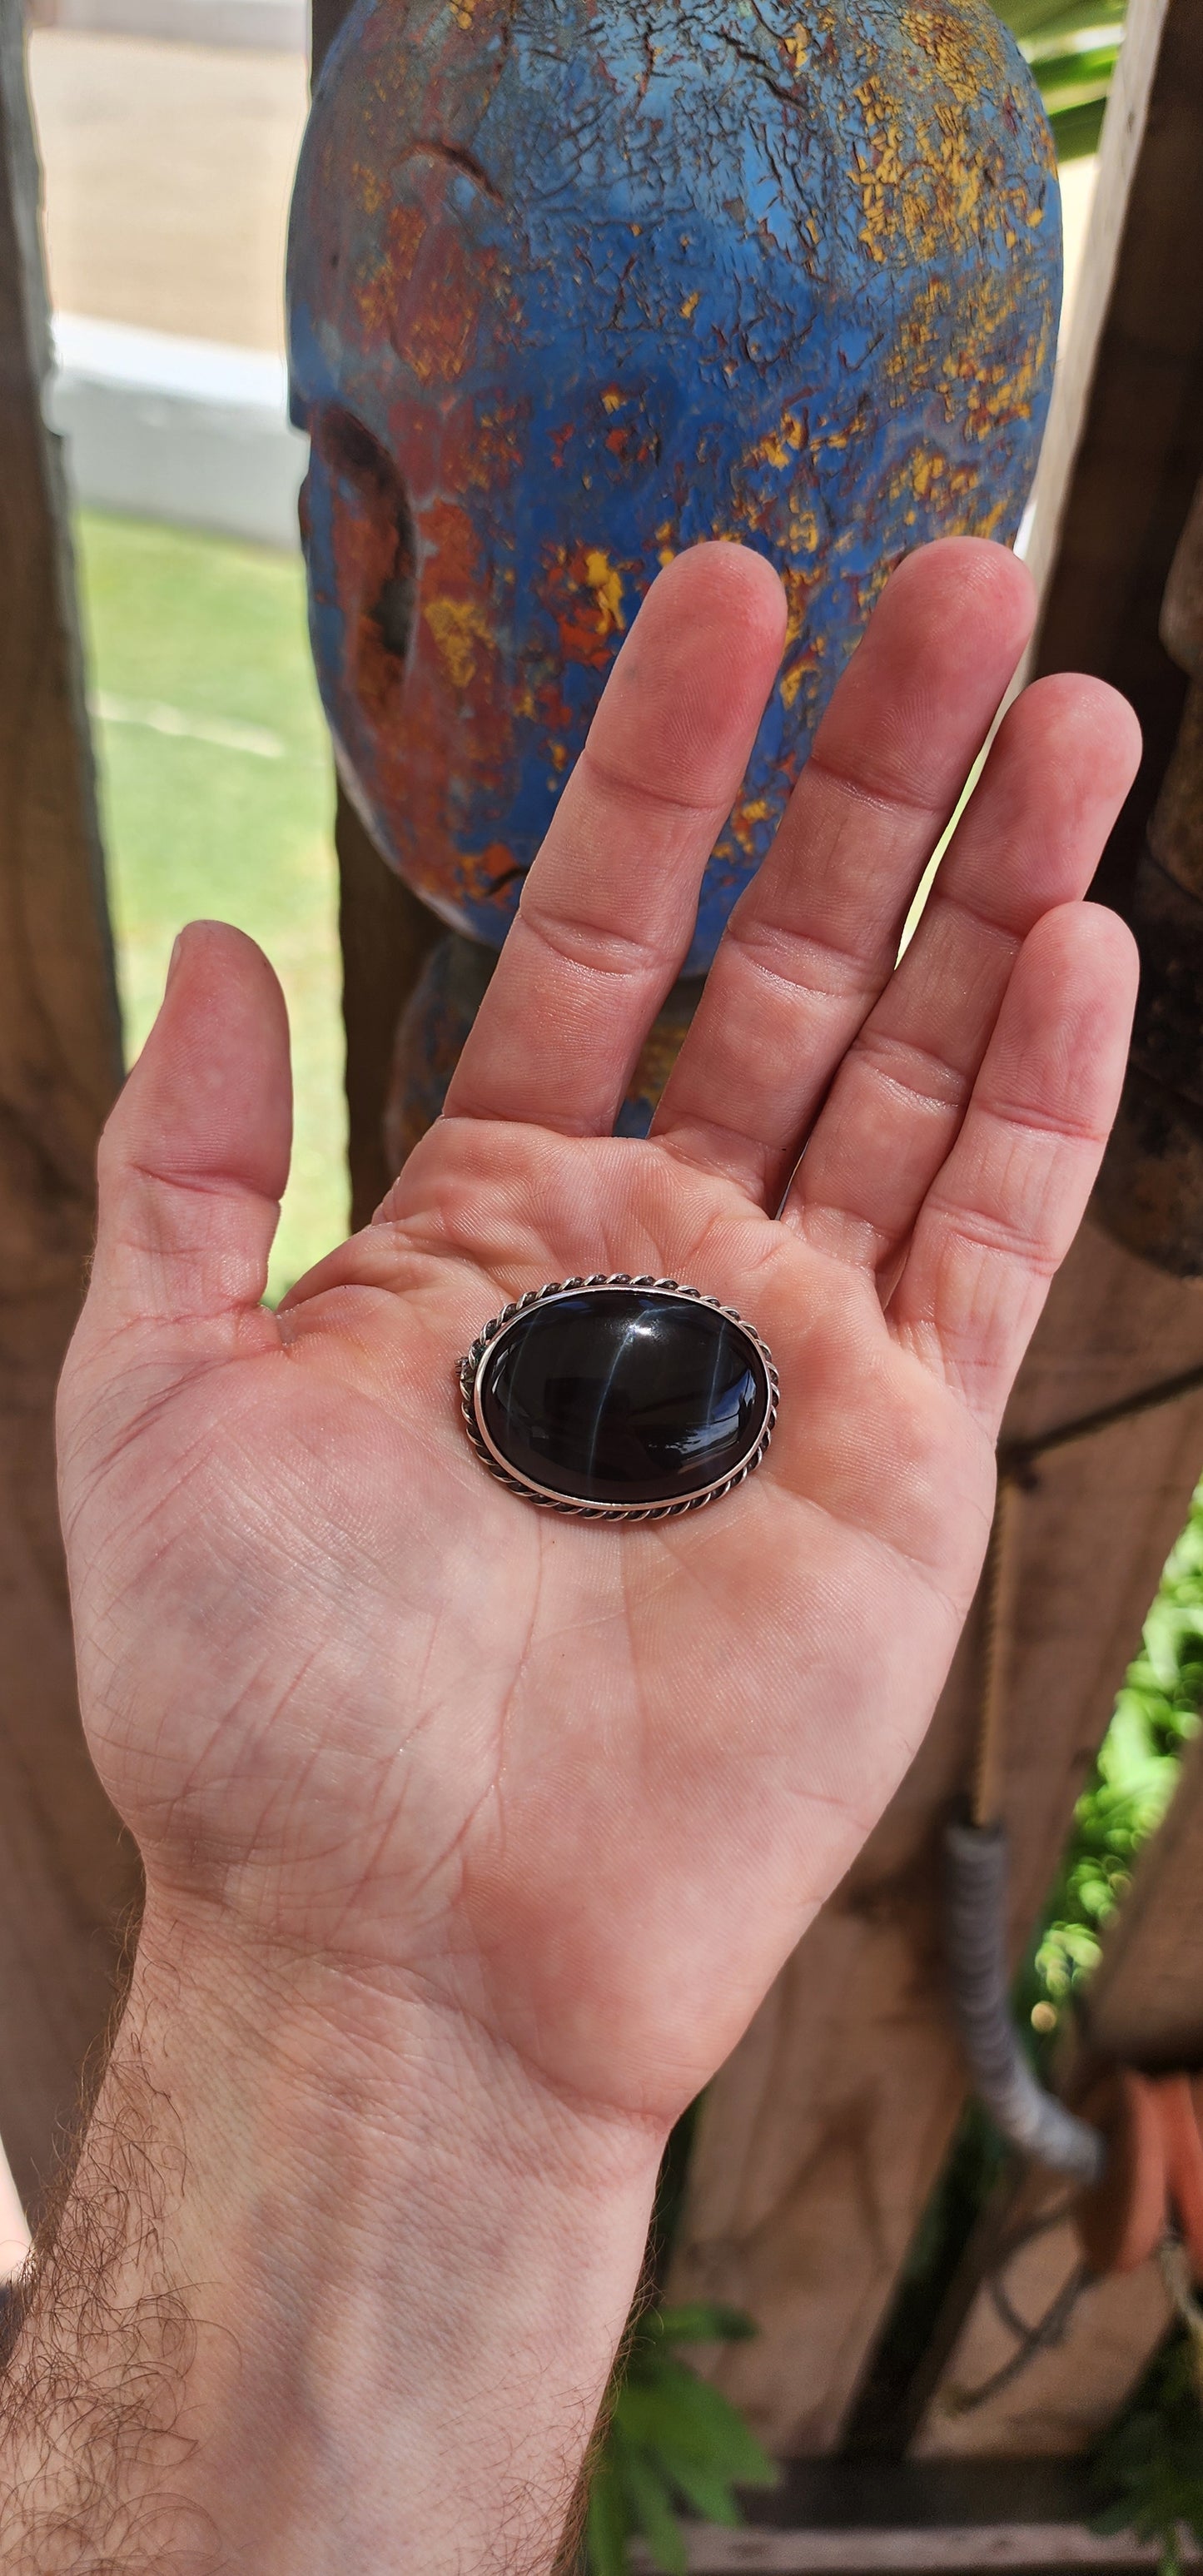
(1126, 433)
(385, 935)
(821, 2140)
(1068, 419)
(1144, 2006)
(65, 1874)
(959, 2549)
(845, 2517)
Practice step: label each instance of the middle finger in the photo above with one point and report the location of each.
(814, 939)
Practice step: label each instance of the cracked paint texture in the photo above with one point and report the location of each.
(576, 283)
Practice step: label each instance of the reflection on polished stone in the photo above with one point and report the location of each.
(624, 1395)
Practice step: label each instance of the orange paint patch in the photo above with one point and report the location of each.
(584, 592)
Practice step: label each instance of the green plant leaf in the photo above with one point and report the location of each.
(1076, 131)
(1039, 20)
(709, 2494)
(1150, 2465)
(1072, 52)
(606, 2525)
(649, 2499)
(1072, 79)
(678, 2416)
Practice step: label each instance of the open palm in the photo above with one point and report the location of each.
(583, 1783)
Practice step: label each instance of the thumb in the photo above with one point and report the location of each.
(195, 1156)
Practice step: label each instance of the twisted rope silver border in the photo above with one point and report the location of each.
(541, 1495)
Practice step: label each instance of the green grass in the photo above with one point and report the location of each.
(226, 813)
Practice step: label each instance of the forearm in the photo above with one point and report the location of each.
(335, 2286)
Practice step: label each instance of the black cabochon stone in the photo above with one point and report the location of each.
(623, 1396)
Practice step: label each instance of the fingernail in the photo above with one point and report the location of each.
(174, 959)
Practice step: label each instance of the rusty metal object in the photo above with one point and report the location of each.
(1150, 1190)
(570, 292)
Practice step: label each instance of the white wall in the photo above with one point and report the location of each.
(189, 431)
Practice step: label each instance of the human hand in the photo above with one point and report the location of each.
(585, 1785)
(472, 1835)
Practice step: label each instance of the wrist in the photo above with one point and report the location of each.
(383, 2210)
(392, 2269)
(290, 2062)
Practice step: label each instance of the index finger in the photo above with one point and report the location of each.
(608, 908)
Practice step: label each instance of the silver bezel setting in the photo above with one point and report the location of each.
(471, 1374)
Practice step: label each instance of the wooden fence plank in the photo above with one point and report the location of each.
(1068, 418)
(385, 934)
(65, 1875)
(911, 2550)
(1145, 2003)
(1062, 2400)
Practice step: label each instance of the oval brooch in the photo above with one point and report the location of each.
(619, 1398)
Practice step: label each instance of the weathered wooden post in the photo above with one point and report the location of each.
(66, 1876)
(1151, 1187)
